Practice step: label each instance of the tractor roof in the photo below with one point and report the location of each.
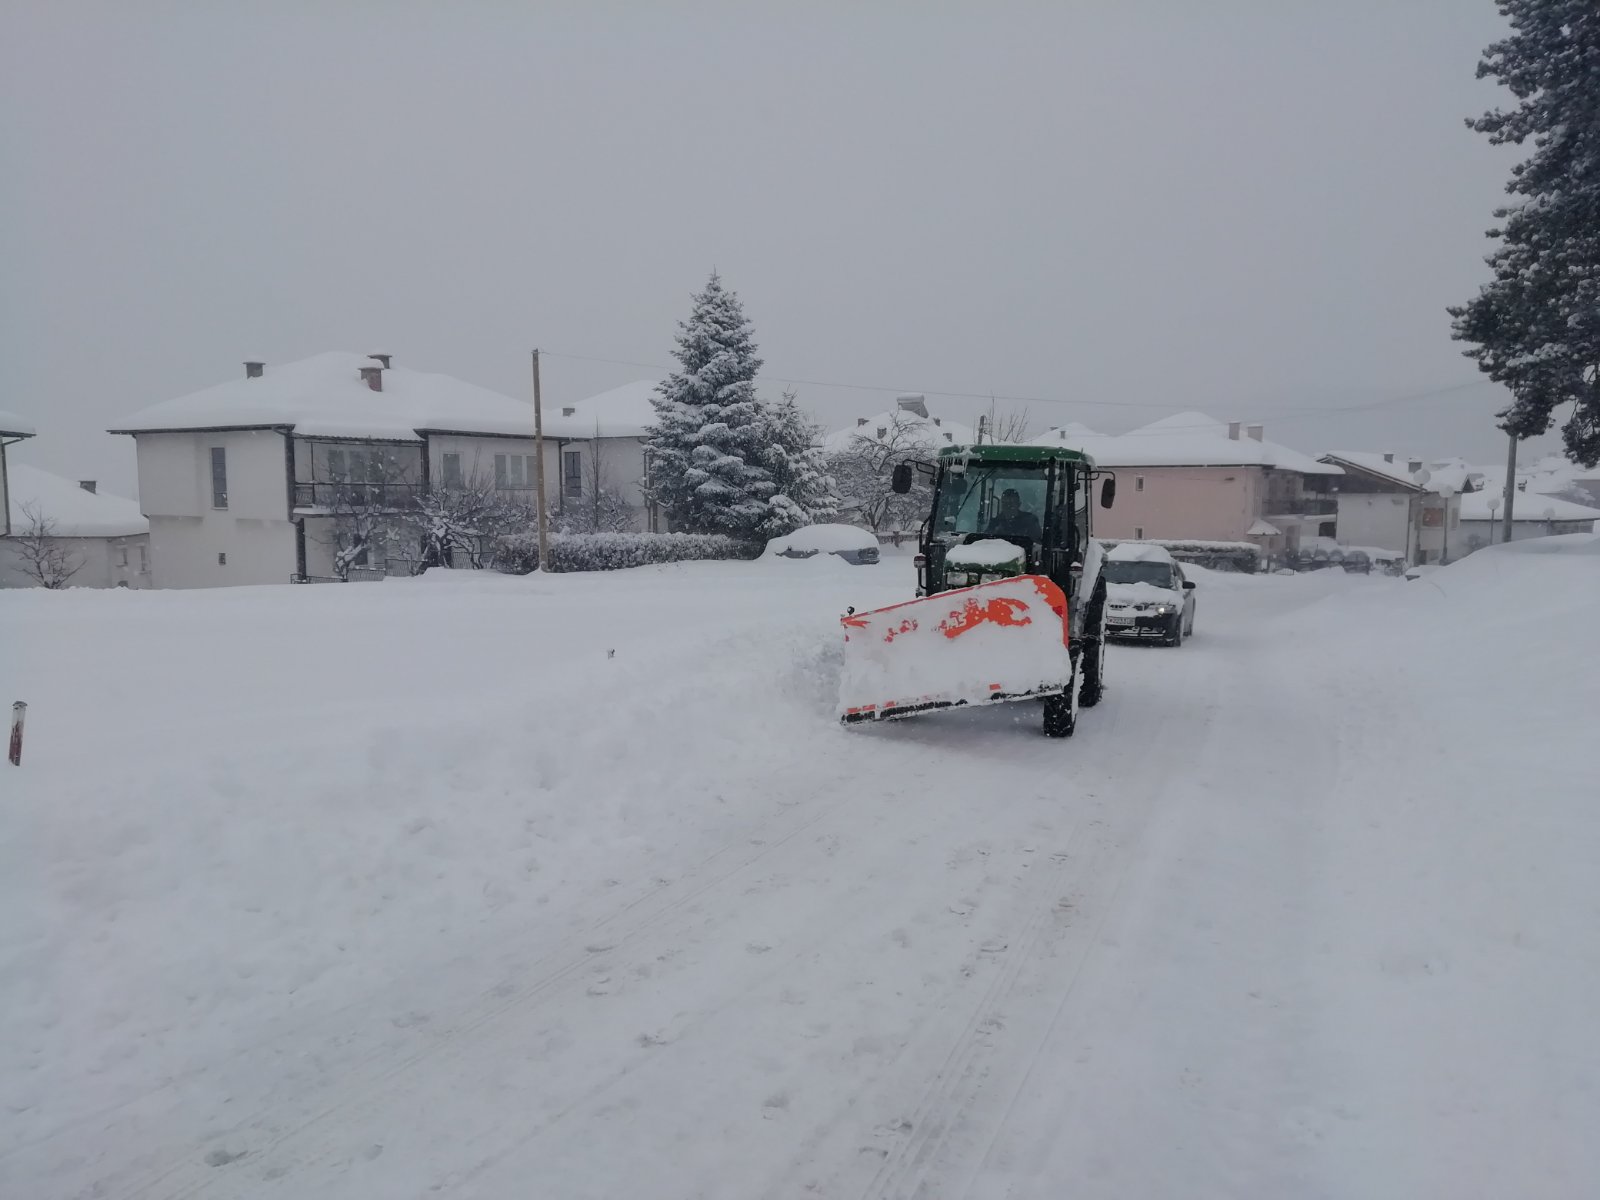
(1005, 452)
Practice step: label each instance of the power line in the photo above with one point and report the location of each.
(1288, 412)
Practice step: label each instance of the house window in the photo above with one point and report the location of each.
(222, 558)
(510, 471)
(122, 556)
(1138, 483)
(219, 477)
(144, 563)
(1138, 531)
(572, 472)
(452, 470)
(338, 466)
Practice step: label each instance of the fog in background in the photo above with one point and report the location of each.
(1120, 208)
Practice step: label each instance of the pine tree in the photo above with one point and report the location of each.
(797, 465)
(1535, 327)
(707, 444)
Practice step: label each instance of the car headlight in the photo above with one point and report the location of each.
(1164, 610)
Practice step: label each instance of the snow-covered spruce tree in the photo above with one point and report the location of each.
(1535, 327)
(707, 443)
(798, 466)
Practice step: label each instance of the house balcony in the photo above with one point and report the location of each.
(342, 497)
(1309, 505)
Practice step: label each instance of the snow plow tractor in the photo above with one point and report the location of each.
(1010, 600)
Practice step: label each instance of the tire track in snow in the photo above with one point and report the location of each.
(364, 1082)
(967, 1099)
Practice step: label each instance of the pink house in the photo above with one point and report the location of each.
(1191, 476)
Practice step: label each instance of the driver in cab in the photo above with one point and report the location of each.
(1013, 520)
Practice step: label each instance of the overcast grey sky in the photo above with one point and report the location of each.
(1250, 207)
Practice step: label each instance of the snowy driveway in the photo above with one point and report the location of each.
(418, 889)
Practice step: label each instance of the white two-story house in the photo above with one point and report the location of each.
(245, 482)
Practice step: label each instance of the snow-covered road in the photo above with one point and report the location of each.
(417, 889)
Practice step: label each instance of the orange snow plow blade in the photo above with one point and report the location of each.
(1005, 640)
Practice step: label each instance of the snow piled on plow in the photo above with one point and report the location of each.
(990, 642)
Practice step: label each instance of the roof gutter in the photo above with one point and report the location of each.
(209, 429)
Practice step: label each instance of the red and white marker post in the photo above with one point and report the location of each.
(19, 711)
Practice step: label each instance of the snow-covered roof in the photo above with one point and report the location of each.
(72, 511)
(1528, 506)
(1433, 475)
(931, 431)
(1070, 434)
(1263, 529)
(624, 411)
(12, 425)
(325, 396)
(1552, 475)
(1138, 552)
(1193, 439)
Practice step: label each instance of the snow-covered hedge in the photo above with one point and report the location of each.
(518, 553)
(1221, 556)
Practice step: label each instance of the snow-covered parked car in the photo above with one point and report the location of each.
(1147, 595)
(849, 543)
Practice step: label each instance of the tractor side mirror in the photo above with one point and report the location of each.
(901, 480)
(1108, 492)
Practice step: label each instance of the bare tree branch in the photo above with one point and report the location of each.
(45, 559)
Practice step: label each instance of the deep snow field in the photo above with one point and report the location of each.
(473, 886)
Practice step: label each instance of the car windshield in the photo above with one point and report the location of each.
(1129, 571)
(1000, 501)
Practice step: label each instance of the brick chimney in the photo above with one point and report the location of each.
(372, 377)
(1255, 431)
(913, 402)
(1388, 458)
(1233, 431)
(860, 421)
(254, 370)
(568, 410)
(88, 485)
(383, 359)
(1414, 465)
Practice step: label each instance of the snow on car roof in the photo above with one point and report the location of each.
(823, 538)
(1139, 552)
(325, 395)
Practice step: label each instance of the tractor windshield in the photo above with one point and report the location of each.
(1006, 500)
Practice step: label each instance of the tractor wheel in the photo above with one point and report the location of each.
(1061, 712)
(1094, 659)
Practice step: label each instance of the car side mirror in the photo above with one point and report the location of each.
(1108, 492)
(901, 480)
(1188, 585)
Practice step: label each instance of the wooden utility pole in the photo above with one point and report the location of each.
(538, 450)
(1511, 486)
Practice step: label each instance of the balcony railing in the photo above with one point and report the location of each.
(1311, 505)
(335, 496)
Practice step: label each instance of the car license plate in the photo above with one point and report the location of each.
(1118, 619)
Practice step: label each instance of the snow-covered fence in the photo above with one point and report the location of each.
(518, 553)
(1219, 556)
